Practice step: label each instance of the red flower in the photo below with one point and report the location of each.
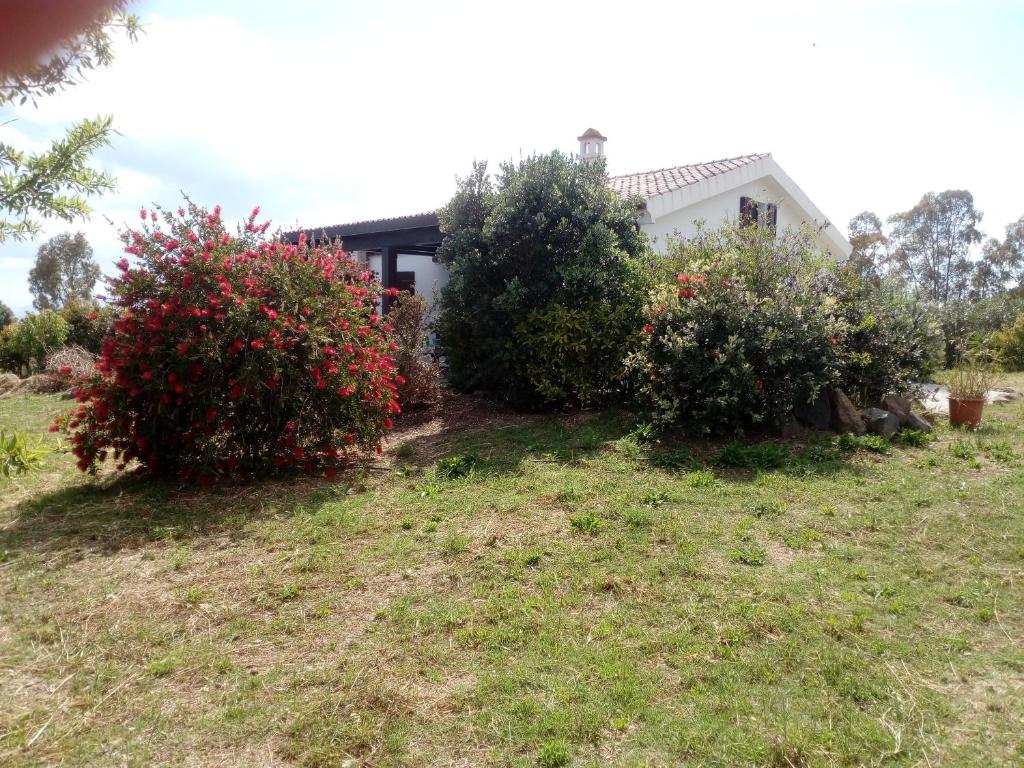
(648, 328)
(256, 344)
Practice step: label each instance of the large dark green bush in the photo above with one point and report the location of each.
(743, 327)
(547, 244)
(888, 342)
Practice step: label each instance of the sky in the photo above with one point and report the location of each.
(327, 112)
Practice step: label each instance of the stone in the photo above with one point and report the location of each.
(896, 404)
(1004, 395)
(816, 414)
(792, 428)
(881, 422)
(9, 383)
(916, 421)
(904, 412)
(845, 417)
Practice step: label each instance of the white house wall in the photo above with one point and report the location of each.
(725, 207)
(430, 276)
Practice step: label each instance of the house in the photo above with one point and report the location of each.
(402, 250)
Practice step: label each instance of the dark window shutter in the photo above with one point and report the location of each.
(771, 217)
(748, 211)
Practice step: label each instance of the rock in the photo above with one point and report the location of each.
(904, 412)
(845, 417)
(816, 414)
(792, 428)
(916, 421)
(9, 382)
(1004, 395)
(880, 422)
(896, 404)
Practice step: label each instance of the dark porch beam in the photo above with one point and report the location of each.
(388, 269)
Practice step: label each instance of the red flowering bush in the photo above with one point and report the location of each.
(745, 328)
(234, 353)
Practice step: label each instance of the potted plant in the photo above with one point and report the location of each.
(968, 388)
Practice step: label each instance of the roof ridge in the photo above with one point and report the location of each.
(758, 155)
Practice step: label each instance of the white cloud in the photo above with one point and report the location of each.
(325, 113)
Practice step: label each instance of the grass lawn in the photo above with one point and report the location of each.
(568, 598)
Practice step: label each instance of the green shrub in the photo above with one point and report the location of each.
(576, 355)
(849, 443)
(585, 522)
(18, 455)
(1008, 345)
(10, 359)
(887, 341)
(534, 260)
(745, 330)
(88, 324)
(701, 478)
(33, 337)
(914, 438)
(453, 467)
(418, 378)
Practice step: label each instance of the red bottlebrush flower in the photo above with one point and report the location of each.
(182, 347)
(683, 279)
(65, 370)
(388, 424)
(54, 428)
(400, 380)
(186, 280)
(648, 328)
(147, 375)
(256, 344)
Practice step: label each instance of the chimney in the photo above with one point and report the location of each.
(591, 144)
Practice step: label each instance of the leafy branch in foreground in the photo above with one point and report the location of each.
(91, 48)
(54, 183)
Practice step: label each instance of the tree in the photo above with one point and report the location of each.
(64, 272)
(548, 247)
(55, 183)
(6, 315)
(870, 254)
(932, 243)
(1003, 262)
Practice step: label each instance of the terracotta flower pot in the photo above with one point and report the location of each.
(965, 413)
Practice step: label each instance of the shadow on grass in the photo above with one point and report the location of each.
(501, 447)
(129, 512)
(812, 454)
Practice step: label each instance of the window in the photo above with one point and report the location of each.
(763, 214)
(405, 281)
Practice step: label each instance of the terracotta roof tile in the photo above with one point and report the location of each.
(650, 184)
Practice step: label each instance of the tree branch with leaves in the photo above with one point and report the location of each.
(56, 183)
